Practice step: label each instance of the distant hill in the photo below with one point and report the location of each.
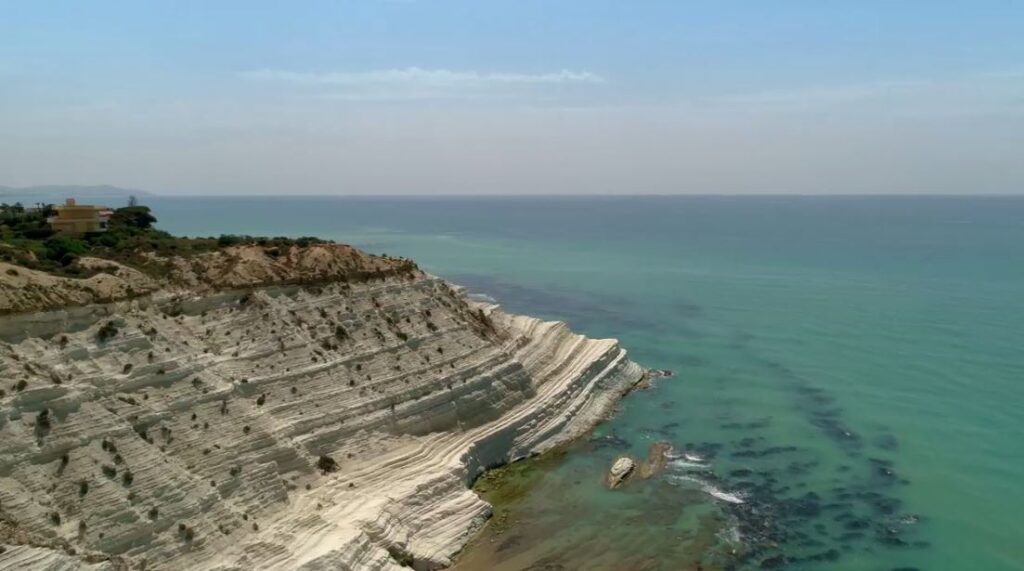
(28, 195)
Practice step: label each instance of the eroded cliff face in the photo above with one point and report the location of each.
(26, 290)
(326, 426)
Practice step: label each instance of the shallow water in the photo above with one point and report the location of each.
(848, 370)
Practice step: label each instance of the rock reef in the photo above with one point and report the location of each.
(311, 409)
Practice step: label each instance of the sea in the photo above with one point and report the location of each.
(848, 372)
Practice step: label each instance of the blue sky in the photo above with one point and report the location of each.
(434, 97)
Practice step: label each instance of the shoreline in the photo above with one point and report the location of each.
(502, 487)
(507, 487)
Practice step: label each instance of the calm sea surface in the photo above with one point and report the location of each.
(850, 371)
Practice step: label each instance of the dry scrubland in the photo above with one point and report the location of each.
(306, 407)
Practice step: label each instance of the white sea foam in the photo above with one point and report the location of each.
(731, 534)
(687, 465)
(724, 496)
(713, 491)
(482, 297)
(690, 456)
(686, 461)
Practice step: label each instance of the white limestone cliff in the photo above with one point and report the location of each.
(328, 426)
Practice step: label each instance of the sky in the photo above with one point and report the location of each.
(514, 97)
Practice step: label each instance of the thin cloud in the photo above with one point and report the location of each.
(415, 77)
(826, 94)
(971, 93)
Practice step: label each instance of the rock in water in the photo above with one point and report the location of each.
(621, 470)
(657, 458)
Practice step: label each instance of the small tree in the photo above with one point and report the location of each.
(133, 218)
(107, 332)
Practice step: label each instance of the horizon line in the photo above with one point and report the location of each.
(189, 194)
(600, 195)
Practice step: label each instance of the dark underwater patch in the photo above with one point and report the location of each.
(780, 521)
(609, 441)
(759, 453)
(886, 442)
(750, 425)
(688, 309)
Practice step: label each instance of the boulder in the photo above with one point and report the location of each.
(621, 470)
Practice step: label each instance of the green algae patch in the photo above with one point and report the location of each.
(504, 486)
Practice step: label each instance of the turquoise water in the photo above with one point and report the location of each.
(850, 369)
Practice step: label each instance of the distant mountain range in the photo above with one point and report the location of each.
(29, 195)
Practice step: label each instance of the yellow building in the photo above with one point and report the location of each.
(74, 218)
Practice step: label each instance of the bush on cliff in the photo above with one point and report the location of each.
(64, 249)
(326, 464)
(107, 332)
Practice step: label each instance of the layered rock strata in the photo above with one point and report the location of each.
(322, 425)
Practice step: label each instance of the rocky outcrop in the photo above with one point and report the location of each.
(254, 265)
(25, 290)
(321, 423)
(620, 471)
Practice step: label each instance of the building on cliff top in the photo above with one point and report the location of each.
(72, 218)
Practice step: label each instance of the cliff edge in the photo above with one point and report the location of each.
(308, 407)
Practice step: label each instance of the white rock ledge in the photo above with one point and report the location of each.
(219, 409)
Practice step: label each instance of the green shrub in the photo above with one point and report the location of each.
(226, 240)
(43, 419)
(59, 246)
(107, 332)
(326, 464)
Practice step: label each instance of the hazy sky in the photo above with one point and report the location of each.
(455, 97)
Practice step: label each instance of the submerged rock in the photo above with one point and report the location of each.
(653, 374)
(657, 458)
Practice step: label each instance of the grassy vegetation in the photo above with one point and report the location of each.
(27, 240)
